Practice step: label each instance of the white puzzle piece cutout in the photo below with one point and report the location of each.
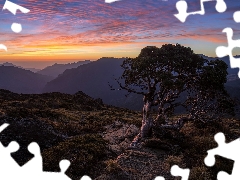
(111, 1)
(13, 8)
(236, 16)
(228, 150)
(177, 171)
(7, 164)
(222, 51)
(159, 178)
(86, 178)
(33, 169)
(2, 46)
(182, 7)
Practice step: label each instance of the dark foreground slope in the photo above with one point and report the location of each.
(65, 126)
(94, 79)
(95, 137)
(21, 81)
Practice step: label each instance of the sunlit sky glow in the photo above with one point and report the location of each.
(72, 30)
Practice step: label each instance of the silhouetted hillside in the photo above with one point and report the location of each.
(233, 88)
(65, 127)
(32, 69)
(235, 83)
(93, 79)
(57, 69)
(11, 64)
(21, 81)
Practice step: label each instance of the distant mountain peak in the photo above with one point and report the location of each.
(8, 64)
(57, 69)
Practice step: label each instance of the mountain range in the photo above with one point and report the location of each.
(31, 80)
(93, 78)
(57, 69)
(13, 65)
(19, 80)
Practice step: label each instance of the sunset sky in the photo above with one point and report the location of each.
(73, 30)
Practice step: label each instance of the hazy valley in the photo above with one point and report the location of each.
(90, 77)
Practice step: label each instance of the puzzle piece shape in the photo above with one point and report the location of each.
(182, 7)
(236, 16)
(177, 171)
(16, 27)
(32, 169)
(3, 126)
(35, 167)
(111, 1)
(12, 7)
(2, 46)
(5, 156)
(35, 164)
(159, 178)
(222, 51)
(64, 164)
(7, 163)
(86, 178)
(227, 150)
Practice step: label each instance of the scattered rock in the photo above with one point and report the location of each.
(119, 135)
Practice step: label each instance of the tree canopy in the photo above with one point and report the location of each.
(172, 76)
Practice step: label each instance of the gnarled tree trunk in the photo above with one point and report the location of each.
(147, 123)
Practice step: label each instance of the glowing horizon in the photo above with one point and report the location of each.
(91, 29)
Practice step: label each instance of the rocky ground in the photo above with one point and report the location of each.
(140, 163)
(155, 157)
(95, 138)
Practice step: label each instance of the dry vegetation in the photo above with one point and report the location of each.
(73, 127)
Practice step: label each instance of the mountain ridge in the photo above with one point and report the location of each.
(11, 64)
(57, 69)
(21, 81)
(94, 78)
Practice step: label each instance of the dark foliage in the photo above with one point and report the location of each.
(173, 76)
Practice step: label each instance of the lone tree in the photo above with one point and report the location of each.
(173, 76)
